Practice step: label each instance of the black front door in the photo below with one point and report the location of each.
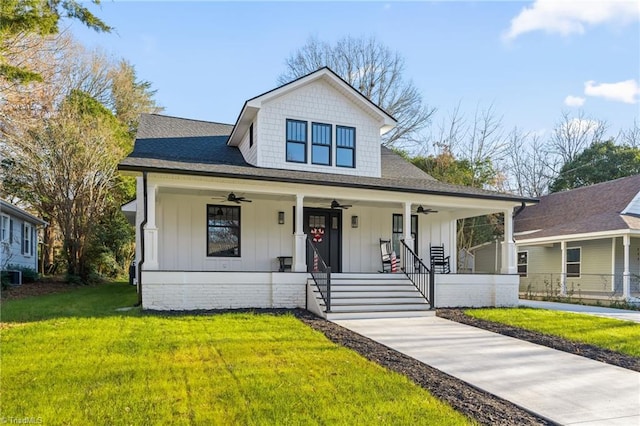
(324, 228)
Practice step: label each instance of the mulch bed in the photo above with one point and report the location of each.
(587, 351)
(39, 288)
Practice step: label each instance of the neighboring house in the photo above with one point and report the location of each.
(485, 258)
(18, 237)
(224, 212)
(584, 241)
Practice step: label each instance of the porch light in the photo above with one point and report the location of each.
(219, 212)
(280, 218)
(354, 221)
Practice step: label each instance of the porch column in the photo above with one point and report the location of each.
(613, 264)
(626, 275)
(563, 268)
(151, 230)
(300, 252)
(406, 220)
(509, 247)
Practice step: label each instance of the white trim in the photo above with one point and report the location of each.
(635, 200)
(580, 237)
(517, 234)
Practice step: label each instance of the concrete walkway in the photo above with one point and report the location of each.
(564, 388)
(621, 314)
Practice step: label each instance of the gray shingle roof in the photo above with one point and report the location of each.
(176, 145)
(594, 208)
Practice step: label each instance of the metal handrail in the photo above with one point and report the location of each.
(419, 274)
(321, 274)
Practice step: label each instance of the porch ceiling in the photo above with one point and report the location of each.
(441, 208)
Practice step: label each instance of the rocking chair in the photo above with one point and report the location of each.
(439, 262)
(385, 252)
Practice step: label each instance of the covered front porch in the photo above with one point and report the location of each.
(204, 249)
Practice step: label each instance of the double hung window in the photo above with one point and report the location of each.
(573, 262)
(296, 141)
(345, 146)
(321, 144)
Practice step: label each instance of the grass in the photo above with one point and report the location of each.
(95, 301)
(616, 335)
(72, 359)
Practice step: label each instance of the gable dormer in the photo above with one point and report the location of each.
(315, 123)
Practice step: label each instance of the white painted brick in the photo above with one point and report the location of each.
(164, 290)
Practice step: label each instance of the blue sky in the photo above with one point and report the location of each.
(531, 60)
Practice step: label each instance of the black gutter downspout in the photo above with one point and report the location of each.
(142, 225)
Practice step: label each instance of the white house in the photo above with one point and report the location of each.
(227, 215)
(583, 242)
(18, 237)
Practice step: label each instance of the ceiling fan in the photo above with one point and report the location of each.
(336, 205)
(235, 199)
(425, 211)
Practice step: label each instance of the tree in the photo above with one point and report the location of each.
(572, 135)
(446, 168)
(129, 96)
(68, 165)
(375, 71)
(68, 68)
(529, 163)
(631, 136)
(478, 140)
(600, 162)
(21, 18)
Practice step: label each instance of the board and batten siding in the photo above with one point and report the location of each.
(182, 224)
(321, 103)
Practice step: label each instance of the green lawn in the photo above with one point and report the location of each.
(72, 359)
(613, 334)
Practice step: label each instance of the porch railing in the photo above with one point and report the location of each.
(419, 274)
(556, 285)
(320, 272)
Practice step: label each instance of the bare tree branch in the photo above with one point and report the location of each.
(376, 72)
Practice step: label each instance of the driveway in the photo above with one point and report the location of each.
(564, 388)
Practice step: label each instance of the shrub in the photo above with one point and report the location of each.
(29, 275)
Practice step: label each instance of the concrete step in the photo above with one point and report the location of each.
(386, 307)
(372, 288)
(375, 300)
(335, 316)
(348, 294)
(370, 276)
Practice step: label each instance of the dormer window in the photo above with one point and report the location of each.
(321, 144)
(296, 141)
(345, 146)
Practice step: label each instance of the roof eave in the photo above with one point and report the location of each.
(167, 170)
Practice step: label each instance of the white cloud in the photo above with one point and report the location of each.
(574, 101)
(569, 16)
(581, 126)
(626, 91)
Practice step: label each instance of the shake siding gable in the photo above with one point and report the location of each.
(250, 153)
(318, 102)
